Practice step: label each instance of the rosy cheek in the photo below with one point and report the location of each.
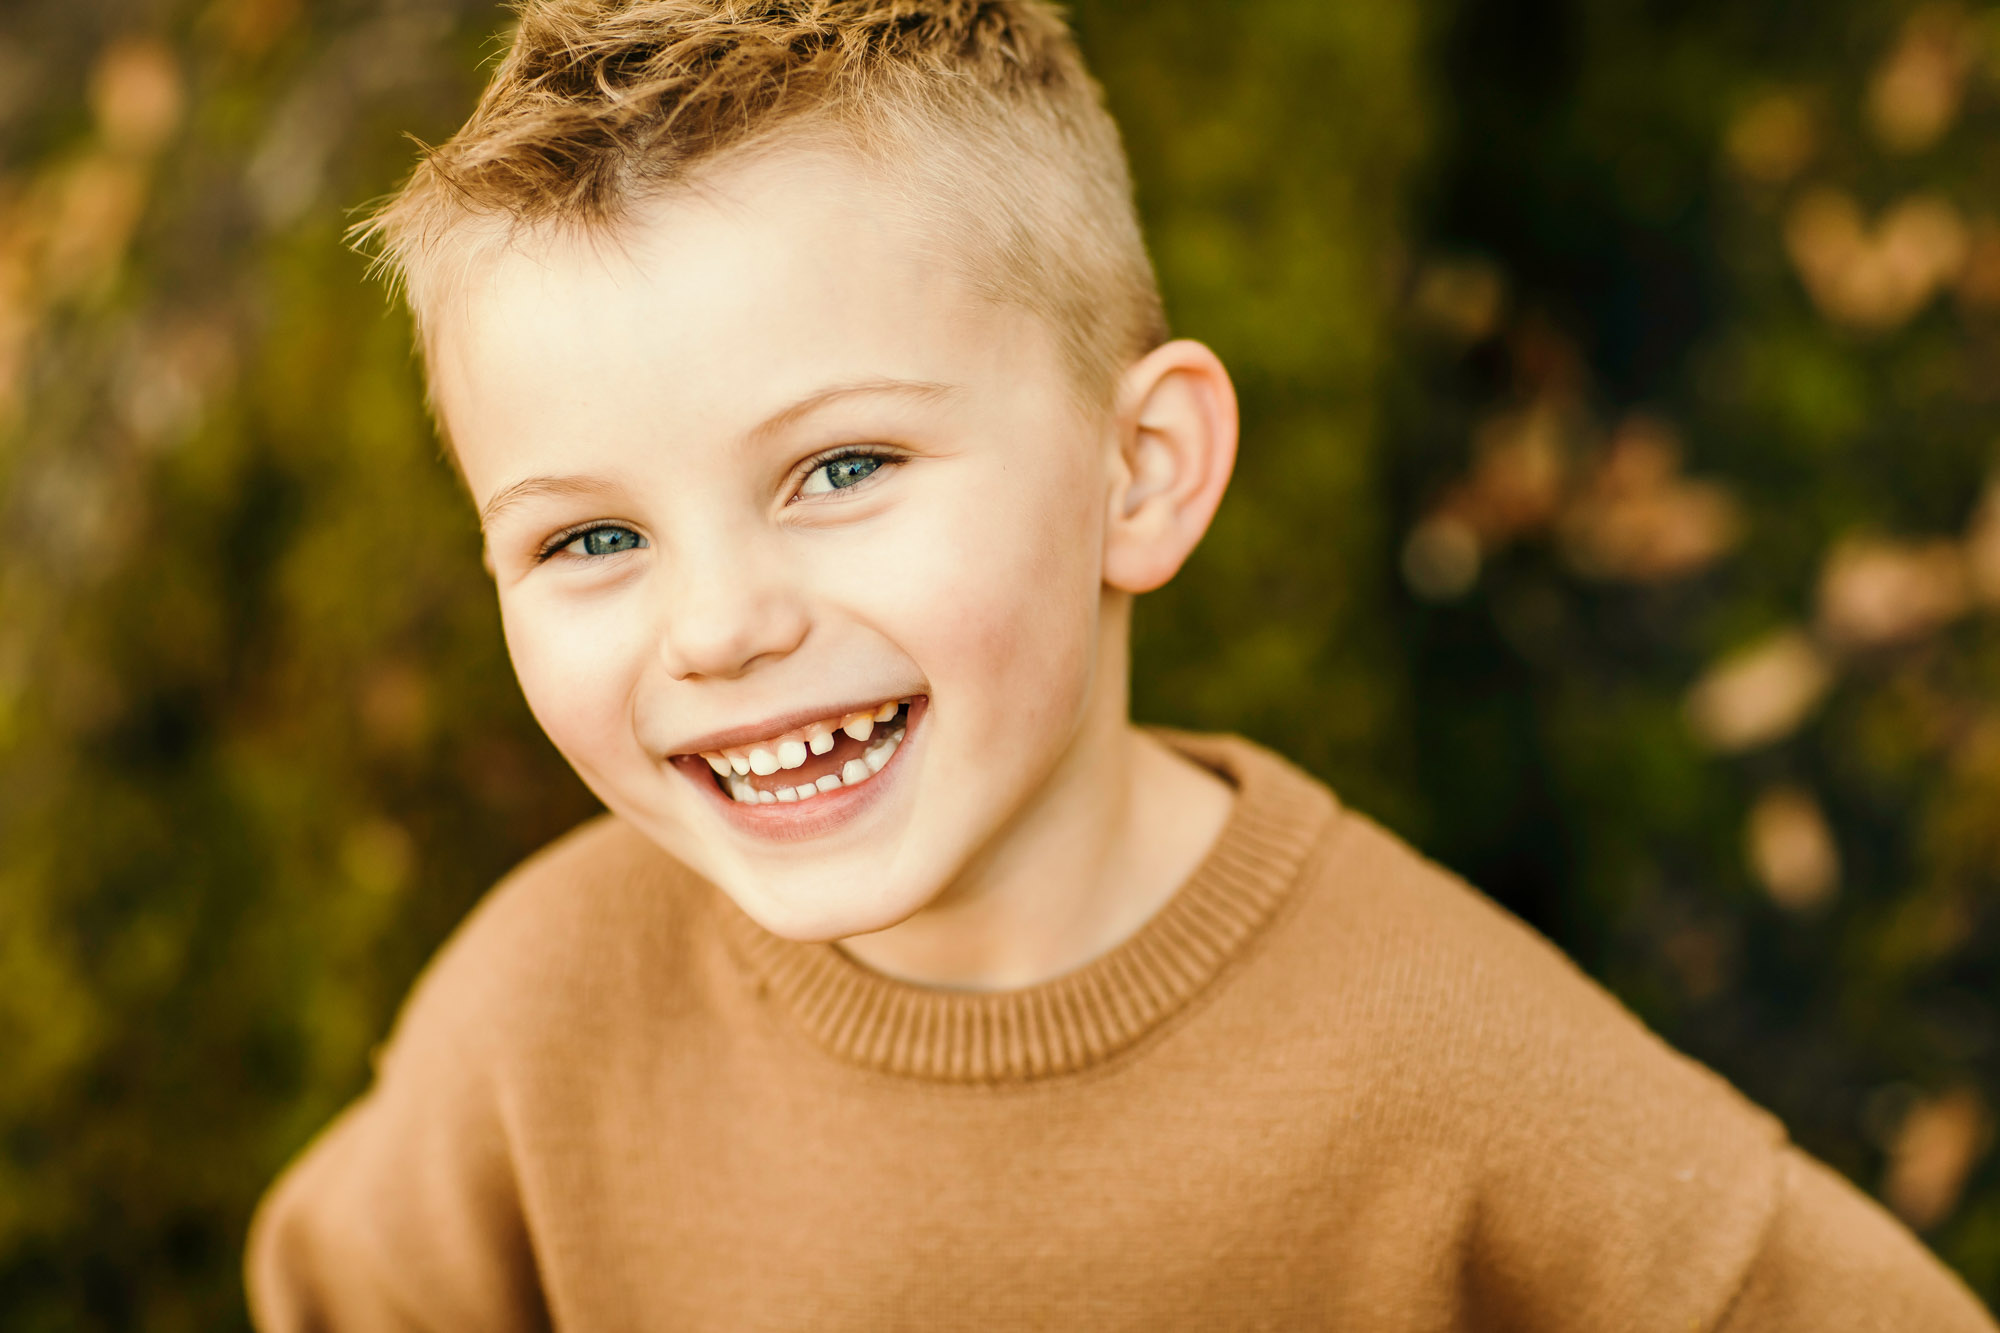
(573, 678)
(1022, 607)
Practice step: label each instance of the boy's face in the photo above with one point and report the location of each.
(765, 468)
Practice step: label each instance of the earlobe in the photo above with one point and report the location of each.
(1176, 429)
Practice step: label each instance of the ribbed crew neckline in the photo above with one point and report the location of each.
(1085, 1016)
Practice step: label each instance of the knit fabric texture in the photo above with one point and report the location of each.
(1327, 1086)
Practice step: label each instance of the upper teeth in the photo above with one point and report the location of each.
(853, 771)
(790, 750)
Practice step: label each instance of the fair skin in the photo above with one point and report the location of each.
(765, 466)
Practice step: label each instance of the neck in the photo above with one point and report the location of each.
(1120, 825)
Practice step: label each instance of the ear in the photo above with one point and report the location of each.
(486, 559)
(1176, 444)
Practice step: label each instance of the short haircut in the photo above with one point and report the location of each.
(980, 111)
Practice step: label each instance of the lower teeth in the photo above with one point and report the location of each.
(854, 772)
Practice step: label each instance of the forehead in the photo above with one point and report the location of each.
(765, 282)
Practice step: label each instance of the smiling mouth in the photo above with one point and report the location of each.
(807, 762)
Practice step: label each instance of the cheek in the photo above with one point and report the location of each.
(1010, 599)
(576, 666)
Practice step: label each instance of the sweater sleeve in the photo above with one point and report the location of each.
(1833, 1261)
(1651, 1195)
(405, 1213)
(416, 1209)
(1622, 1184)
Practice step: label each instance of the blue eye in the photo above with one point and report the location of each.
(846, 471)
(607, 540)
(839, 473)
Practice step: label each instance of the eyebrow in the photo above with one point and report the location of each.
(813, 402)
(534, 488)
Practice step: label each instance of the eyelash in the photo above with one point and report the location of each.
(553, 547)
(555, 544)
(886, 456)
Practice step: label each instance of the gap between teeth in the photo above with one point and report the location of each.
(732, 766)
(791, 751)
(852, 773)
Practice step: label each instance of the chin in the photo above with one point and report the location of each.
(812, 910)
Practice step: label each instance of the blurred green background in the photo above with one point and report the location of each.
(1616, 518)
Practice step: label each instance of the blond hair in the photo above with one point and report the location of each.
(980, 110)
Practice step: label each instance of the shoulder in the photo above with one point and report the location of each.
(1507, 1012)
(408, 1210)
(590, 919)
(601, 876)
(1592, 1175)
(601, 895)
(1609, 1177)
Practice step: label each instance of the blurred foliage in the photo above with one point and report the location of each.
(1614, 518)
(1695, 443)
(259, 743)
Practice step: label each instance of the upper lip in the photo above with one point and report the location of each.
(776, 726)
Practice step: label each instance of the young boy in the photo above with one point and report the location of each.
(805, 363)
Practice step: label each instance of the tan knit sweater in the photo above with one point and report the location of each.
(1328, 1086)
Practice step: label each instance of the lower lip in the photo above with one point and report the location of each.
(801, 820)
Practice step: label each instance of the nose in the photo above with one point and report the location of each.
(727, 610)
